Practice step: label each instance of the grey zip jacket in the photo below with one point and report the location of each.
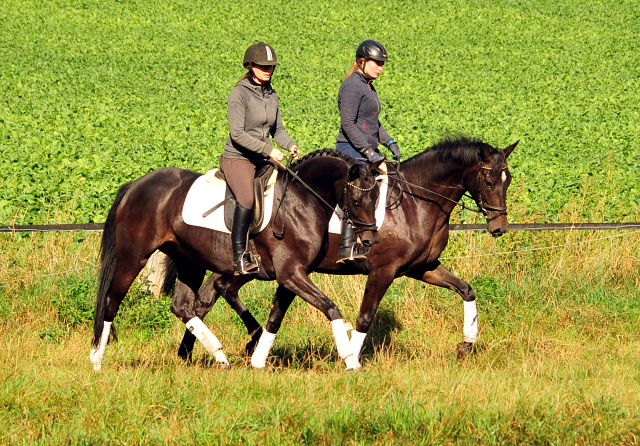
(359, 108)
(254, 116)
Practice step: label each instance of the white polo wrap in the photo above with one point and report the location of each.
(208, 339)
(470, 329)
(259, 357)
(97, 354)
(357, 339)
(343, 344)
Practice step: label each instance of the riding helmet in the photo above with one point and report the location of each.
(370, 49)
(260, 54)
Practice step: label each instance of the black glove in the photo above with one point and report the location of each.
(395, 150)
(373, 155)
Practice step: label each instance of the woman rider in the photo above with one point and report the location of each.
(254, 115)
(360, 128)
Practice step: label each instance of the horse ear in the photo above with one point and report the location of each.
(509, 149)
(376, 168)
(485, 153)
(354, 172)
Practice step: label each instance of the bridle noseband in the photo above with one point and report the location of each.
(358, 225)
(484, 208)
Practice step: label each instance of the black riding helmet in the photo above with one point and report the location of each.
(370, 49)
(260, 54)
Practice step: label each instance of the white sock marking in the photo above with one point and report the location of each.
(259, 357)
(470, 329)
(97, 354)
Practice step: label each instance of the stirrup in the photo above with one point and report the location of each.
(357, 253)
(247, 264)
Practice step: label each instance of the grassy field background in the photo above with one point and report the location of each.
(95, 94)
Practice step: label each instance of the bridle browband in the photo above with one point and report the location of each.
(482, 207)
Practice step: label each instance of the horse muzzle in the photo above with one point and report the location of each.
(498, 226)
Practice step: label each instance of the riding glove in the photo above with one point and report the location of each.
(373, 155)
(395, 150)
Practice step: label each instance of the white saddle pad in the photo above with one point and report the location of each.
(335, 224)
(207, 191)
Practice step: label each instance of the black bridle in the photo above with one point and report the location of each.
(483, 208)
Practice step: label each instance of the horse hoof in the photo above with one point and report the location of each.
(464, 350)
(223, 365)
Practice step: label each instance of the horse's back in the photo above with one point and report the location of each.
(157, 196)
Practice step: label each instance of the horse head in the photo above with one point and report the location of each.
(360, 197)
(490, 190)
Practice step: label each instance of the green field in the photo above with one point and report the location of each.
(95, 94)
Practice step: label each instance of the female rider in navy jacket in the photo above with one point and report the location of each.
(360, 128)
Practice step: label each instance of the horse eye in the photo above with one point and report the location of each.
(488, 184)
(356, 202)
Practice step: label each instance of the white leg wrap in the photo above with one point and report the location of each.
(208, 339)
(259, 357)
(470, 329)
(344, 346)
(357, 339)
(97, 354)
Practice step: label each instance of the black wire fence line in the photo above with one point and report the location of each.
(493, 254)
(452, 227)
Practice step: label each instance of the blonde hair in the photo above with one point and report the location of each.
(357, 64)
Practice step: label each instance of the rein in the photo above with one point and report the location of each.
(347, 214)
(482, 207)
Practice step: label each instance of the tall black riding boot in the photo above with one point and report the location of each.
(243, 262)
(349, 249)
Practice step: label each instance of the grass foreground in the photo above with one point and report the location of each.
(557, 362)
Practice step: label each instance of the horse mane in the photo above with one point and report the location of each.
(457, 148)
(323, 153)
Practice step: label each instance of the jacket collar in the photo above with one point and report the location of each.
(260, 89)
(365, 77)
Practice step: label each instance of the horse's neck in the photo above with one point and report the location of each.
(322, 178)
(432, 174)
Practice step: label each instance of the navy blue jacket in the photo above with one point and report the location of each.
(359, 108)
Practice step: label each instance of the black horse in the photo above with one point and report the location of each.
(147, 215)
(423, 193)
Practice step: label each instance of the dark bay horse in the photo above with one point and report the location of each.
(147, 215)
(423, 194)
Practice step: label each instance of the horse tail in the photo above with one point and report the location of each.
(107, 266)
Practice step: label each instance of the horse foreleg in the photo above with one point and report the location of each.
(377, 284)
(281, 303)
(438, 275)
(298, 282)
(184, 307)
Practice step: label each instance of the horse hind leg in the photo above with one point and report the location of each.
(108, 304)
(442, 277)
(184, 306)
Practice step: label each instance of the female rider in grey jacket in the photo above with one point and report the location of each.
(254, 117)
(360, 129)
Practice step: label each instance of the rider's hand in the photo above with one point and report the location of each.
(295, 153)
(395, 150)
(276, 154)
(373, 155)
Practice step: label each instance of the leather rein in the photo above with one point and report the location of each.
(483, 207)
(347, 214)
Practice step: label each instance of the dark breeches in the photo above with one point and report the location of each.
(240, 174)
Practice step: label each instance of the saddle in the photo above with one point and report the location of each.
(261, 183)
